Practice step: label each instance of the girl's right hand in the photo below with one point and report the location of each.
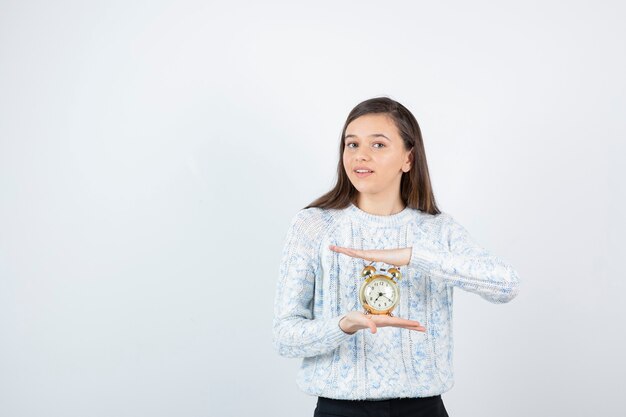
(355, 320)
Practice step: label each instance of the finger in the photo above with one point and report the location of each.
(370, 323)
(418, 328)
(341, 249)
(355, 253)
(405, 322)
(373, 327)
(409, 322)
(384, 320)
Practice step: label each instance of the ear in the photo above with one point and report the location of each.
(406, 167)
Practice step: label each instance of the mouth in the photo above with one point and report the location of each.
(362, 173)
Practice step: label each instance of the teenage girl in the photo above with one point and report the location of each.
(381, 211)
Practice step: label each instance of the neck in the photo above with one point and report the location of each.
(380, 206)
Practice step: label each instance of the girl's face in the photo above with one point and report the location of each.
(372, 142)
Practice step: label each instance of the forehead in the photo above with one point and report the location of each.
(368, 124)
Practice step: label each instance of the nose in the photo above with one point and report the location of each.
(361, 155)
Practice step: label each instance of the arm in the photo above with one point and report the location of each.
(466, 265)
(295, 332)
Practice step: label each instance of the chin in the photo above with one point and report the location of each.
(364, 189)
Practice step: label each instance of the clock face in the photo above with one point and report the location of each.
(380, 294)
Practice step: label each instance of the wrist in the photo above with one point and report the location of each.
(346, 327)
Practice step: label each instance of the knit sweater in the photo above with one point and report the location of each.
(316, 287)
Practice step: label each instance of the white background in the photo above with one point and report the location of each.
(152, 154)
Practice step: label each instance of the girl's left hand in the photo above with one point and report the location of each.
(396, 257)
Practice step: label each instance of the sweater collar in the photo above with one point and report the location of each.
(390, 220)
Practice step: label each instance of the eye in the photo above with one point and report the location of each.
(382, 145)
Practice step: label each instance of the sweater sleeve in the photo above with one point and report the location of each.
(295, 332)
(462, 263)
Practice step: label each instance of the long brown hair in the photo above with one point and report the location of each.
(415, 188)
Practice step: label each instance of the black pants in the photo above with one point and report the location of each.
(395, 407)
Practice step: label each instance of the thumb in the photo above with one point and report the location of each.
(371, 325)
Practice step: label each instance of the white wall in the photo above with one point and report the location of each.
(153, 153)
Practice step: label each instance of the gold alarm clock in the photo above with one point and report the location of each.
(379, 293)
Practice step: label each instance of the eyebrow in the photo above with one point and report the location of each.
(375, 135)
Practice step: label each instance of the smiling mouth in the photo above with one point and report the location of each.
(363, 174)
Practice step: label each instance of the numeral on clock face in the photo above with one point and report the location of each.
(380, 294)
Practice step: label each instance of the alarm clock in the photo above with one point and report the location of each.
(379, 293)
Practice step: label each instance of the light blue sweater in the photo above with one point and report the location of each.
(317, 287)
